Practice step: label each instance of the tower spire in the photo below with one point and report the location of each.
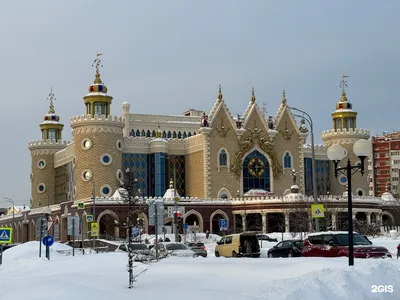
(51, 98)
(343, 86)
(253, 97)
(220, 97)
(284, 97)
(97, 64)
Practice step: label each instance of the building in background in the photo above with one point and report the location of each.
(385, 164)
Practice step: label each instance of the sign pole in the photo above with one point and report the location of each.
(1, 254)
(41, 235)
(83, 248)
(73, 236)
(156, 221)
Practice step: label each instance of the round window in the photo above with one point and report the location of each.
(41, 164)
(31, 176)
(105, 190)
(119, 145)
(343, 180)
(106, 159)
(360, 192)
(86, 175)
(41, 188)
(86, 144)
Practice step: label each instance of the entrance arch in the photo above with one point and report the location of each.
(194, 216)
(106, 221)
(214, 220)
(387, 219)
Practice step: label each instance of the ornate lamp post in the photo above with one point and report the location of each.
(309, 120)
(362, 148)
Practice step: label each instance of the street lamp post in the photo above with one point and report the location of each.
(314, 167)
(13, 214)
(362, 148)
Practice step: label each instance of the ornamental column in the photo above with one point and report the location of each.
(243, 221)
(264, 222)
(368, 214)
(287, 222)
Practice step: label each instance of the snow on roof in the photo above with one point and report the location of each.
(328, 232)
(170, 194)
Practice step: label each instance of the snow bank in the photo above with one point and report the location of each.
(332, 283)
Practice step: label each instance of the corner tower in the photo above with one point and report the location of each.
(42, 152)
(346, 133)
(98, 143)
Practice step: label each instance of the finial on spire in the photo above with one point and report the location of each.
(343, 86)
(158, 130)
(283, 97)
(171, 183)
(220, 93)
(253, 97)
(51, 98)
(97, 64)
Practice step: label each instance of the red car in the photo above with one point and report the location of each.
(336, 244)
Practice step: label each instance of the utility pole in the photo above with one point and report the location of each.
(73, 236)
(41, 235)
(156, 227)
(176, 206)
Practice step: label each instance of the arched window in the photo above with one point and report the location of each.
(143, 133)
(174, 135)
(137, 132)
(287, 161)
(224, 196)
(190, 134)
(223, 159)
(184, 135)
(153, 134)
(169, 134)
(132, 133)
(179, 135)
(148, 133)
(164, 134)
(256, 172)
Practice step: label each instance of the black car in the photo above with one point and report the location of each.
(288, 248)
(264, 237)
(398, 251)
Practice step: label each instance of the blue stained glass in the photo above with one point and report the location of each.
(41, 187)
(106, 190)
(106, 159)
(256, 182)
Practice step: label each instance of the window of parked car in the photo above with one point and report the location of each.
(287, 244)
(358, 239)
(228, 240)
(139, 247)
(315, 239)
(279, 245)
(176, 246)
(327, 238)
(221, 241)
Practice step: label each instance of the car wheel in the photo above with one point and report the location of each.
(234, 254)
(290, 254)
(270, 255)
(216, 254)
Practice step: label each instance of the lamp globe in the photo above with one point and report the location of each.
(362, 148)
(336, 152)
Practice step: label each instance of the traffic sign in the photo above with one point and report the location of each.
(49, 239)
(89, 218)
(223, 224)
(186, 226)
(6, 235)
(94, 229)
(317, 211)
(73, 225)
(81, 205)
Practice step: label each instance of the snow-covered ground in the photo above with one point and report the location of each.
(103, 276)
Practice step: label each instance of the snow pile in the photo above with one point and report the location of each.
(333, 283)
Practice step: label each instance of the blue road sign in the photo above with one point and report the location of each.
(223, 225)
(5, 235)
(185, 226)
(50, 240)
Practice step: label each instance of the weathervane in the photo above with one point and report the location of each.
(343, 83)
(97, 62)
(51, 98)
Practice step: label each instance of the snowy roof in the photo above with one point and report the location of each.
(119, 193)
(387, 197)
(329, 232)
(257, 192)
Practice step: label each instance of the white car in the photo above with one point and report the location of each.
(173, 249)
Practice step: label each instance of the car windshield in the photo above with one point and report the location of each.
(175, 246)
(139, 247)
(196, 244)
(358, 239)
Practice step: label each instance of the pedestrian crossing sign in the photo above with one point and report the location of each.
(81, 205)
(6, 235)
(89, 218)
(317, 211)
(95, 229)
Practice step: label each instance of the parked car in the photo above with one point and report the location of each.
(398, 251)
(198, 247)
(264, 237)
(367, 239)
(174, 249)
(336, 244)
(234, 245)
(136, 248)
(8, 246)
(287, 248)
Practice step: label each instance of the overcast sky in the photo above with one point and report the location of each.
(167, 56)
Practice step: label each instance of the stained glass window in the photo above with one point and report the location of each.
(256, 172)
